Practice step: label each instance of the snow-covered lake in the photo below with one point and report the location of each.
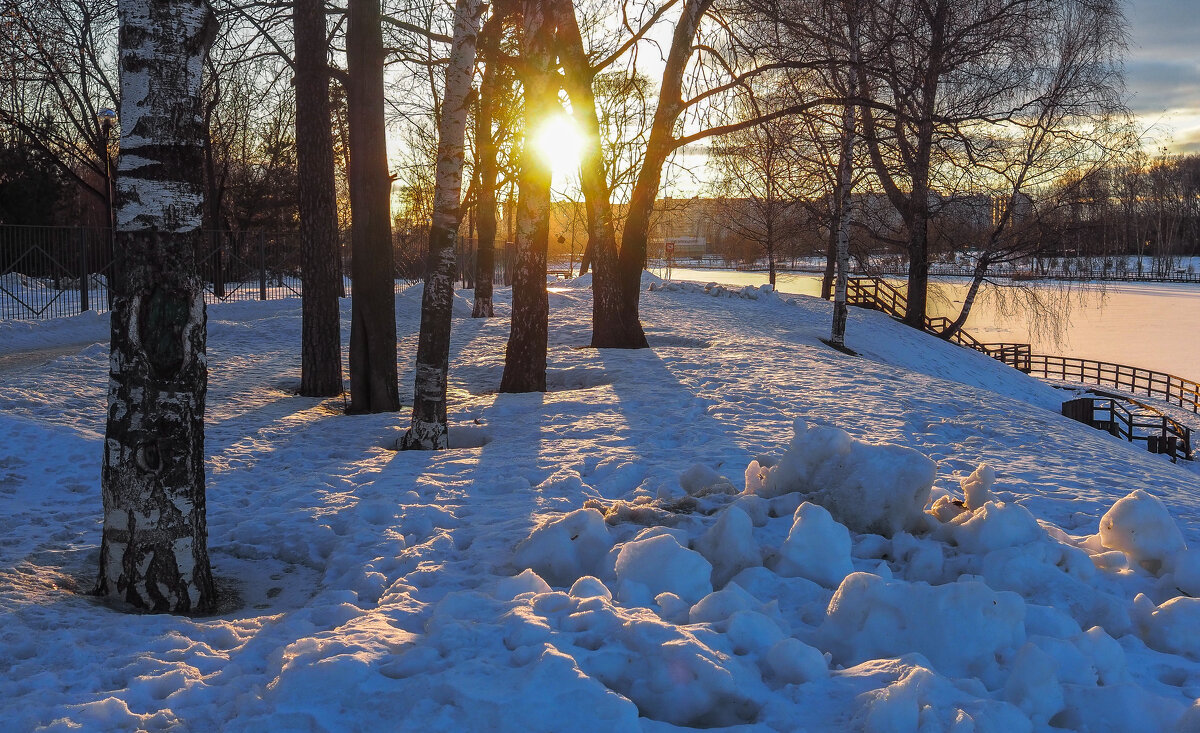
(1149, 325)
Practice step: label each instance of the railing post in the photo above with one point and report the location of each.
(83, 271)
(262, 266)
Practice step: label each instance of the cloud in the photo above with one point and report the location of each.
(1162, 29)
(1160, 85)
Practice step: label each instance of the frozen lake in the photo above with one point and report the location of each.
(1149, 325)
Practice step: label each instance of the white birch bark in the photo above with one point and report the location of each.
(429, 430)
(845, 183)
(154, 552)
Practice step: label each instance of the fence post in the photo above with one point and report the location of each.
(218, 264)
(262, 266)
(83, 271)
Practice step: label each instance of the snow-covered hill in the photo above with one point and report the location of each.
(655, 542)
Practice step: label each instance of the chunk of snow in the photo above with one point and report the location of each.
(994, 526)
(1140, 526)
(751, 632)
(1173, 627)
(658, 564)
(1033, 685)
(817, 547)
(525, 582)
(792, 662)
(720, 605)
(977, 487)
(1186, 572)
(729, 545)
(700, 480)
(960, 627)
(590, 587)
(870, 488)
(566, 548)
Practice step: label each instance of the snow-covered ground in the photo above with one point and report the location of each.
(737, 527)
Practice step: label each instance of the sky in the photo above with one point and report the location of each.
(1163, 69)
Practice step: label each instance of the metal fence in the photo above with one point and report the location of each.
(51, 272)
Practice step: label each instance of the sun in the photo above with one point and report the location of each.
(560, 142)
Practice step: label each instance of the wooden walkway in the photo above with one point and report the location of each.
(1138, 423)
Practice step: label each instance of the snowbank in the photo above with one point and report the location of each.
(930, 563)
(881, 489)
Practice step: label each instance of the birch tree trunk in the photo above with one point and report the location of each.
(525, 356)
(485, 258)
(321, 333)
(373, 380)
(428, 430)
(154, 545)
(845, 184)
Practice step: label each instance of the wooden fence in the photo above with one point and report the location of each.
(876, 294)
(1133, 421)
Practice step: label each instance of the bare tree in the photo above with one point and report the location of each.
(525, 355)
(373, 378)
(486, 162)
(755, 187)
(154, 550)
(321, 341)
(429, 430)
(1064, 127)
(60, 74)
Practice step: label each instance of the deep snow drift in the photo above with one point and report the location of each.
(737, 527)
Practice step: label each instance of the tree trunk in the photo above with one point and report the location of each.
(373, 380)
(831, 253)
(978, 276)
(845, 184)
(525, 357)
(770, 246)
(601, 248)
(321, 266)
(428, 430)
(620, 325)
(485, 249)
(585, 259)
(154, 546)
(918, 266)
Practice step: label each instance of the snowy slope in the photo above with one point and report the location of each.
(370, 589)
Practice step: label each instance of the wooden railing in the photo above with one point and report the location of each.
(1114, 415)
(876, 294)
(1174, 390)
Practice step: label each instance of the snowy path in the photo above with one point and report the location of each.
(371, 589)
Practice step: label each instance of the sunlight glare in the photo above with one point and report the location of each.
(560, 142)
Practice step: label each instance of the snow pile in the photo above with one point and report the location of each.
(881, 489)
(963, 628)
(567, 548)
(595, 558)
(729, 545)
(1140, 526)
(647, 568)
(746, 292)
(816, 548)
